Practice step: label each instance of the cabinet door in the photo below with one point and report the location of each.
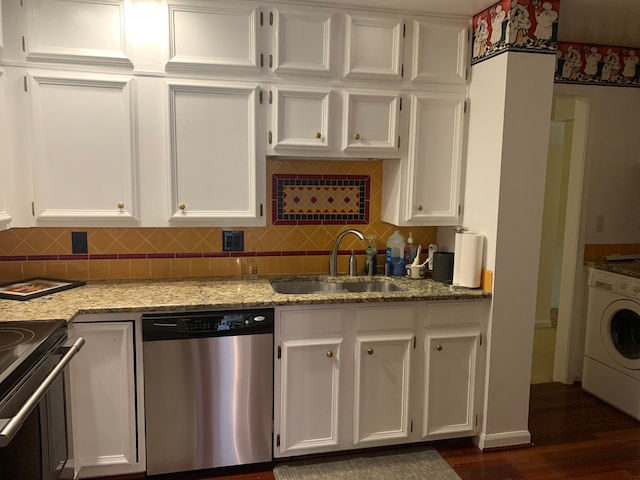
(302, 41)
(381, 397)
(434, 159)
(449, 384)
(370, 122)
(217, 177)
(103, 400)
(309, 394)
(85, 165)
(5, 218)
(214, 35)
(440, 51)
(373, 46)
(300, 118)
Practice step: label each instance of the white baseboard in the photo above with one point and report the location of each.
(506, 439)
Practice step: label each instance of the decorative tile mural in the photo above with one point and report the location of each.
(597, 64)
(515, 25)
(320, 199)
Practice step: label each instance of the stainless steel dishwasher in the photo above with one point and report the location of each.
(208, 379)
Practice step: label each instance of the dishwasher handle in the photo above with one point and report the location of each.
(11, 426)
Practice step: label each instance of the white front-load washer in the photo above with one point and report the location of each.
(611, 368)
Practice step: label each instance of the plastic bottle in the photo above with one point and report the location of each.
(410, 251)
(395, 254)
(370, 255)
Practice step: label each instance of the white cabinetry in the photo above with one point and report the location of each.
(452, 337)
(373, 46)
(309, 354)
(216, 166)
(440, 51)
(384, 342)
(214, 35)
(85, 155)
(5, 218)
(425, 187)
(108, 437)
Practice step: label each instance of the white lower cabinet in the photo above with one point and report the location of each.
(104, 401)
(356, 376)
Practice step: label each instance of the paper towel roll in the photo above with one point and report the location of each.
(467, 269)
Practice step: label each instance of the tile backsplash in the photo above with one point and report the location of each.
(172, 252)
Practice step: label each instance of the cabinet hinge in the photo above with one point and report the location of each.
(411, 426)
(21, 3)
(260, 97)
(279, 351)
(466, 73)
(476, 420)
(414, 342)
(402, 70)
(459, 210)
(261, 60)
(400, 103)
(404, 30)
(24, 48)
(270, 137)
(398, 141)
(25, 83)
(465, 106)
(33, 209)
(270, 61)
(261, 19)
(270, 97)
(261, 210)
(278, 440)
(480, 339)
(270, 18)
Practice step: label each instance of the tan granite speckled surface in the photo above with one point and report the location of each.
(212, 293)
(627, 267)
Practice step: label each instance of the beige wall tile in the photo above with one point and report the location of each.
(160, 267)
(99, 270)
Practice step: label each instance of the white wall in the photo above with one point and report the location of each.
(511, 97)
(613, 159)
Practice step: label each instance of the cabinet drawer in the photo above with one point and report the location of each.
(369, 319)
(454, 313)
(306, 322)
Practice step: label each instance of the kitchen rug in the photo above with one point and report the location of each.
(398, 464)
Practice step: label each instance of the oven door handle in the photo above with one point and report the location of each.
(12, 425)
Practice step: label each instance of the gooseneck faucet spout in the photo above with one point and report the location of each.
(333, 262)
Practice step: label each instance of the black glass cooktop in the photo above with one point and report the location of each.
(22, 345)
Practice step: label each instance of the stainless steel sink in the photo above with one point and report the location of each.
(371, 287)
(301, 287)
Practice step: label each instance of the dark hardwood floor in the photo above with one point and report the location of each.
(575, 436)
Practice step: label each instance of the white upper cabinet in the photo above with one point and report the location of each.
(425, 187)
(373, 46)
(85, 155)
(440, 51)
(89, 32)
(217, 175)
(300, 119)
(5, 218)
(214, 35)
(301, 41)
(371, 120)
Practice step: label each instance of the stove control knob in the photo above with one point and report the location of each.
(259, 318)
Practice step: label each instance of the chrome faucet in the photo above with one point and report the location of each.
(333, 262)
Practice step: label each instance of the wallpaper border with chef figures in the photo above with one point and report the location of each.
(515, 25)
(597, 65)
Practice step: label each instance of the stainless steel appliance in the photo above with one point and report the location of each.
(33, 416)
(208, 379)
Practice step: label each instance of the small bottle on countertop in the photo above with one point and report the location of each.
(409, 251)
(370, 255)
(353, 265)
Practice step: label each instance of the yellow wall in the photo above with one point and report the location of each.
(298, 249)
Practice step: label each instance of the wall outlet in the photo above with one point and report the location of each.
(233, 241)
(79, 242)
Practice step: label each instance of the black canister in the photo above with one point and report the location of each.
(443, 267)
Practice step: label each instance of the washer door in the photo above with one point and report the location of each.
(620, 331)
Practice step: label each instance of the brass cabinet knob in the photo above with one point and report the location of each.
(182, 206)
(356, 136)
(329, 354)
(439, 347)
(370, 351)
(121, 205)
(317, 135)
(419, 208)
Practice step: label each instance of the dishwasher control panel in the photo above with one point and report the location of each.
(208, 323)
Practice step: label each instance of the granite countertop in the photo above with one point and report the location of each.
(212, 293)
(630, 268)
